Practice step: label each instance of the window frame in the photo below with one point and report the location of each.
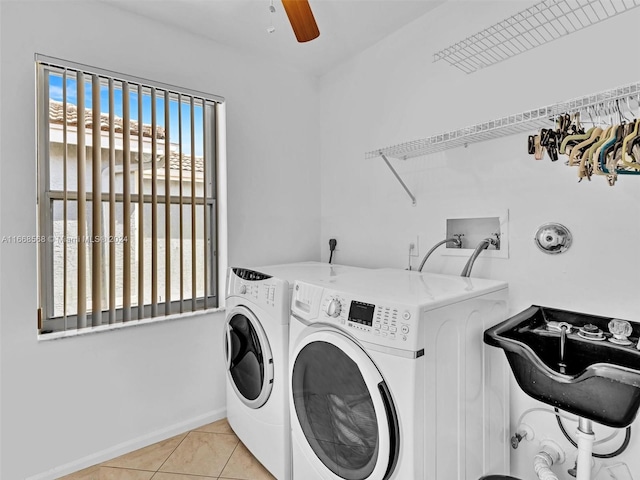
(215, 229)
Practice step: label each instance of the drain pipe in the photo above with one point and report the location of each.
(585, 448)
(551, 453)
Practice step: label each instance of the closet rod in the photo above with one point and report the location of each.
(543, 117)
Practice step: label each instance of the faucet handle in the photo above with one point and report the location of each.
(458, 241)
(620, 329)
(558, 326)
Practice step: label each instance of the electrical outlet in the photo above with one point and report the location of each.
(333, 237)
(413, 246)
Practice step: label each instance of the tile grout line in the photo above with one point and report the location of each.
(99, 465)
(172, 452)
(180, 443)
(204, 477)
(227, 462)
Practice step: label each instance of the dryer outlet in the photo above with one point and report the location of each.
(413, 245)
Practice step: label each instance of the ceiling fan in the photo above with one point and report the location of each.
(301, 19)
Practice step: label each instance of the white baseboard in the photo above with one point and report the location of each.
(130, 445)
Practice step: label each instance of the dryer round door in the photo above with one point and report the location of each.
(248, 357)
(344, 409)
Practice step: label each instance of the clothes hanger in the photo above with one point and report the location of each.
(625, 157)
(577, 152)
(628, 155)
(605, 132)
(585, 168)
(607, 147)
(624, 166)
(538, 148)
(564, 122)
(571, 140)
(607, 157)
(617, 148)
(577, 156)
(594, 150)
(548, 140)
(599, 156)
(587, 163)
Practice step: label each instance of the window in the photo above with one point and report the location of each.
(126, 197)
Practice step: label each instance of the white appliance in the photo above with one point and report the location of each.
(256, 355)
(390, 378)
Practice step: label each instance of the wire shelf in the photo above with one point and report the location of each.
(542, 23)
(543, 117)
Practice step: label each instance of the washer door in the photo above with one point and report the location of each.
(248, 357)
(344, 408)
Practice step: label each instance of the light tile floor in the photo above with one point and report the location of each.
(209, 452)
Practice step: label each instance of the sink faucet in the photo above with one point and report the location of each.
(483, 245)
(564, 326)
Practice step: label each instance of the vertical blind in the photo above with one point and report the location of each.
(126, 197)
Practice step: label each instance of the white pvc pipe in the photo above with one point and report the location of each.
(585, 448)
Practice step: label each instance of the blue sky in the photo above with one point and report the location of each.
(56, 93)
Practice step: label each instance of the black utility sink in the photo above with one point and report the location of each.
(596, 379)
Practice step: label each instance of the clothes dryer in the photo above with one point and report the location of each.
(390, 378)
(256, 355)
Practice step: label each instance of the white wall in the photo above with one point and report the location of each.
(393, 93)
(77, 399)
(64, 401)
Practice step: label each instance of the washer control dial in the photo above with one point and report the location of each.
(334, 308)
(243, 289)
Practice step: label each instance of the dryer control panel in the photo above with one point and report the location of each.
(256, 288)
(364, 318)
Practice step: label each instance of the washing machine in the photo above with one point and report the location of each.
(256, 355)
(390, 379)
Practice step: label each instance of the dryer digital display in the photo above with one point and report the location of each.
(361, 312)
(250, 275)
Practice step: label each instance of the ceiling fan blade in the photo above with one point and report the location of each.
(301, 19)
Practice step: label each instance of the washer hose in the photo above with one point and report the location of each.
(455, 240)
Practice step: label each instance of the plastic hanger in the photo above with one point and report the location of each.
(601, 139)
(607, 146)
(627, 143)
(585, 169)
(548, 140)
(590, 153)
(617, 148)
(593, 134)
(594, 151)
(573, 138)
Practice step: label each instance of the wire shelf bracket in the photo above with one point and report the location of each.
(543, 117)
(404, 185)
(539, 24)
